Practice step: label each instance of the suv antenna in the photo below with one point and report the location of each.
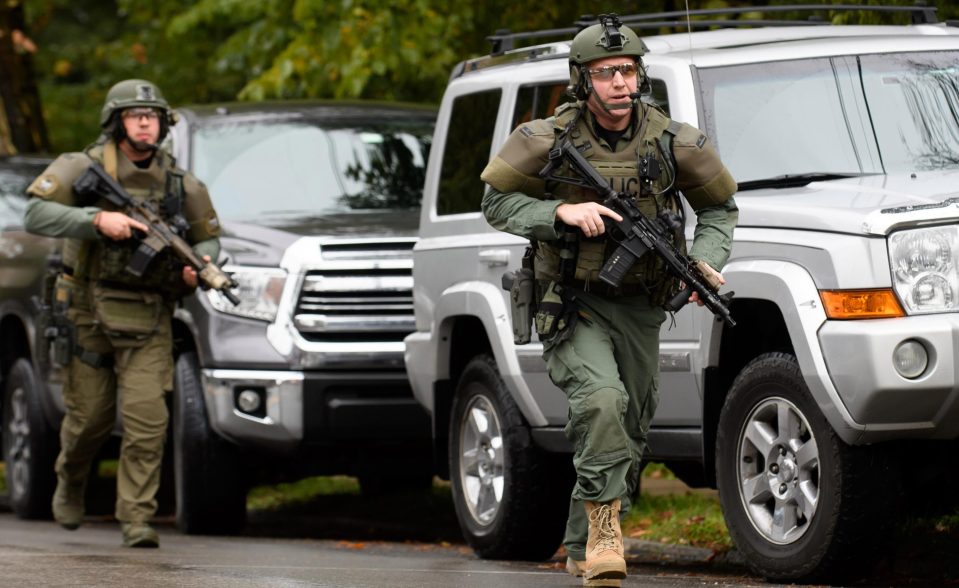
(689, 32)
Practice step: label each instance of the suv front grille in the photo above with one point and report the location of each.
(356, 300)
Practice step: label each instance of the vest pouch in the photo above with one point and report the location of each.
(127, 317)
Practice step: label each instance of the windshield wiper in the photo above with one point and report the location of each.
(794, 180)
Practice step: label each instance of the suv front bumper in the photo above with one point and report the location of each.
(314, 408)
(859, 357)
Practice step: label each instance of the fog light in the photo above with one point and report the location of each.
(910, 359)
(249, 401)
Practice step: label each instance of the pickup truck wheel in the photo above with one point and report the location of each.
(209, 485)
(30, 446)
(511, 498)
(799, 503)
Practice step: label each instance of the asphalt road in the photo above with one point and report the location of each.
(40, 553)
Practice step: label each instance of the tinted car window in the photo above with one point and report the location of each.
(14, 179)
(467, 152)
(270, 170)
(540, 100)
(845, 115)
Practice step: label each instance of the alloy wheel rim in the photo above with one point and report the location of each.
(18, 449)
(778, 471)
(481, 460)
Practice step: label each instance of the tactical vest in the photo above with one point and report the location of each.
(622, 169)
(105, 260)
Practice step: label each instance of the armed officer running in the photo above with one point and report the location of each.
(122, 341)
(601, 343)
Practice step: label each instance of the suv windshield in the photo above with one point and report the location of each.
(848, 115)
(273, 170)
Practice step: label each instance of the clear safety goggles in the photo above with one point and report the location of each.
(606, 73)
(141, 112)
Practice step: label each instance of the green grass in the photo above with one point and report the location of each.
(685, 519)
(658, 471)
(300, 492)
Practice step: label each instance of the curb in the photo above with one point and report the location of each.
(639, 551)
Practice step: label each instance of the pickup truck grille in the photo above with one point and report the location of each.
(365, 294)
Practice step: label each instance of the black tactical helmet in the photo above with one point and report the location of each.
(606, 39)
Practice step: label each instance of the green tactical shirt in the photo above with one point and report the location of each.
(533, 218)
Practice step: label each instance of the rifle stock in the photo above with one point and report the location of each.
(95, 181)
(637, 234)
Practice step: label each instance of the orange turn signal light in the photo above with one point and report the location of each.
(860, 304)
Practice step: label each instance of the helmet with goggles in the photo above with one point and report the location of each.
(130, 94)
(134, 96)
(609, 38)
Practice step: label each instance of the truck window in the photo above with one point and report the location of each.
(467, 152)
(658, 96)
(540, 100)
(13, 198)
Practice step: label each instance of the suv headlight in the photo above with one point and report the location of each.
(923, 263)
(259, 292)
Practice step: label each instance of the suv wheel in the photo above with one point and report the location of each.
(30, 446)
(511, 498)
(209, 485)
(799, 503)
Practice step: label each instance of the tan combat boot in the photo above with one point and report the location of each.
(139, 535)
(68, 504)
(605, 565)
(575, 567)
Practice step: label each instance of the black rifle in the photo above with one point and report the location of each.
(55, 335)
(95, 181)
(636, 234)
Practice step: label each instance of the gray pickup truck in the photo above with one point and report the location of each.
(837, 390)
(319, 203)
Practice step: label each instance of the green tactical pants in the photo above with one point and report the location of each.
(609, 369)
(138, 380)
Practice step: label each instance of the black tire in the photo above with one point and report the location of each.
(819, 509)
(209, 482)
(30, 445)
(528, 521)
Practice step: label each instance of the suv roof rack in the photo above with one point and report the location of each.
(504, 40)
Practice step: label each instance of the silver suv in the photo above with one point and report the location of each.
(837, 388)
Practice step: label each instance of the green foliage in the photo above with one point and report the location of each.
(202, 51)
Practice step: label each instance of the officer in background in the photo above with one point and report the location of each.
(122, 348)
(602, 344)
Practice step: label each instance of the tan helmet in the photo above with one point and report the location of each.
(131, 93)
(608, 38)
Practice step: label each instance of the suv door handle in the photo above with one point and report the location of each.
(494, 257)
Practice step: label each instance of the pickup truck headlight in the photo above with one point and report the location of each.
(259, 292)
(923, 263)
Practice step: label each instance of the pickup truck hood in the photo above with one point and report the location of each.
(871, 205)
(264, 245)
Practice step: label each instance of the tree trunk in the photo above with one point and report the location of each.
(21, 120)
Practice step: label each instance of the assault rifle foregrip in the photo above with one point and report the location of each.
(636, 234)
(95, 181)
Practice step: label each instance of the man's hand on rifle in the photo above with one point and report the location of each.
(116, 225)
(189, 274)
(713, 279)
(588, 216)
